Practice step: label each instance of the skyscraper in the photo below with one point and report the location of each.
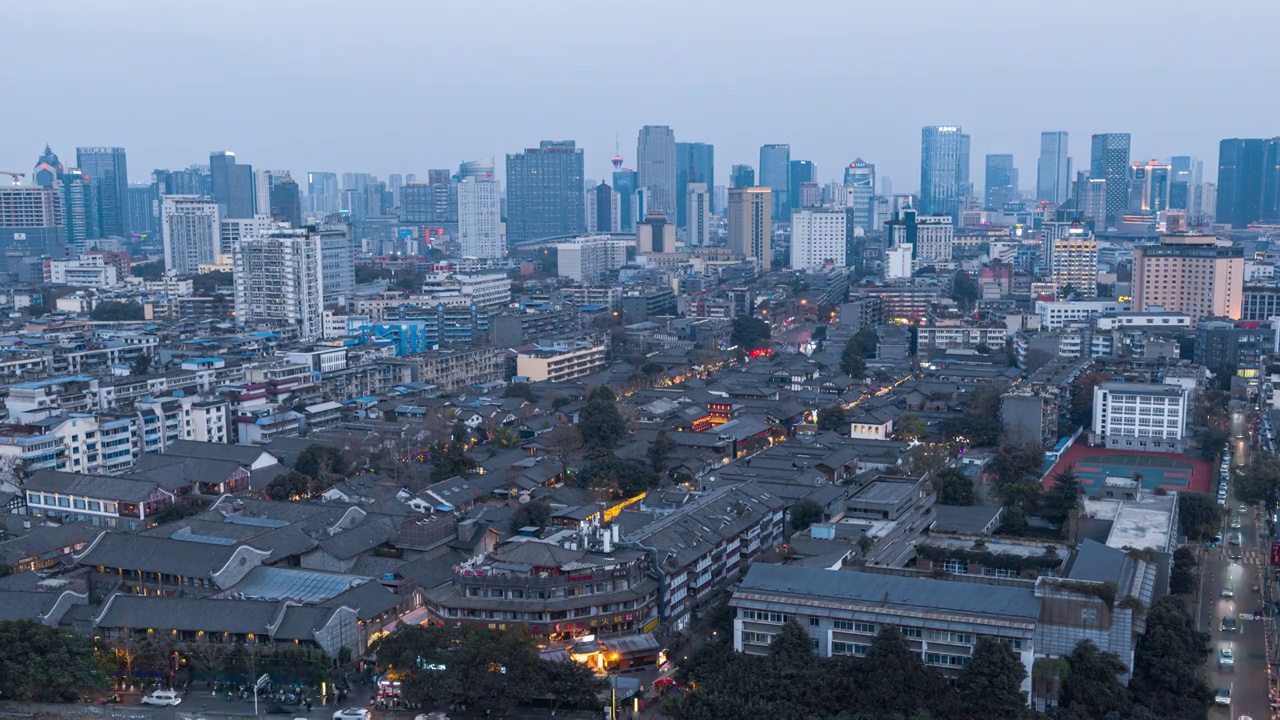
(108, 174)
(1149, 188)
(544, 191)
(799, 173)
(31, 228)
(232, 185)
(817, 237)
(603, 210)
(1109, 160)
(1271, 182)
(860, 193)
(751, 224)
(337, 264)
(480, 218)
(1053, 173)
(775, 174)
(144, 208)
(656, 165)
(191, 230)
(1001, 182)
(944, 169)
(1240, 173)
(625, 183)
(48, 169)
(79, 208)
(698, 212)
(322, 192)
(1093, 201)
(444, 191)
(286, 201)
(279, 279)
(1181, 169)
(695, 163)
(742, 176)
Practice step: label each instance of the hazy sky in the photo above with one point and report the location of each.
(387, 86)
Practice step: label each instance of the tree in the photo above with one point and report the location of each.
(206, 284)
(292, 485)
(990, 686)
(897, 680)
(651, 369)
(140, 365)
(44, 664)
(832, 418)
(1017, 475)
(536, 513)
(564, 440)
(1199, 517)
(115, 311)
(964, 290)
(1166, 664)
(520, 390)
(449, 459)
(750, 333)
(953, 487)
(805, 513)
(1182, 579)
(503, 437)
(572, 685)
(180, 509)
(617, 477)
(852, 361)
(1259, 481)
(1090, 683)
(909, 426)
(1060, 503)
(319, 461)
(480, 670)
(600, 422)
(661, 450)
(980, 423)
(207, 657)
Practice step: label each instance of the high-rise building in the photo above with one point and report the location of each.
(337, 264)
(279, 280)
(191, 230)
(474, 168)
(1001, 182)
(144, 208)
(444, 191)
(232, 185)
(1053, 173)
(1149, 187)
(603, 210)
(1073, 260)
(698, 213)
(286, 201)
(930, 237)
(480, 218)
(799, 173)
(944, 169)
(1181, 182)
(79, 209)
(264, 183)
(323, 193)
(775, 174)
(1109, 160)
(1199, 275)
(48, 169)
(544, 192)
(695, 163)
(591, 260)
(416, 203)
(817, 238)
(655, 234)
(31, 229)
(108, 174)
(742, 176)
(1241, 164)
(1271, 182)
(1093, 202)
(656, 164)
(232, 230)
(357, 181)
(751, 224)
(626, 183)
(395, 181)
(860, 193)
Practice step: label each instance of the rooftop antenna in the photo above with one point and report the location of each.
(617, 156)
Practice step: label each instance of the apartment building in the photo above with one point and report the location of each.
(1199, 275)
(951, 334)
(559, 363)
(1140, 416)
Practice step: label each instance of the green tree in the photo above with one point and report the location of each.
(805, 513)
(1060, 503)
(1199, 517)
(618, 477)
(320, 461)
(953, 487)
(536, 513)
(1091, 683)
(909, 426)
(289, 486)
(572, 685)
(897, 680)
(180, 509)
(964, 290)
(750, 333)
(1182, 578)
(116, 311)
(1016, 470)
(1166, 665)
(503, 437)
(207, 284)
(832, 418)
(600, 423)
(484, 671)
(44, 664)
(520, 390)
(852, 360)
(990, 686)
(449, 459)
(140, 364)
(1259, 481)
(661, 450)
(980, 423)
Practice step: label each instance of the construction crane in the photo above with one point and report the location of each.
(17, 176)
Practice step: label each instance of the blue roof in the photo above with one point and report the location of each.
(49, 382)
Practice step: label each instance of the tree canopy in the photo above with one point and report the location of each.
(618, 477)
(805, 513)
(953, 487)
(536, 513)
(1166, 665)
(449, 459)
(114, 310)
(1259, 481)
(853, 360)
(990, 686)
(44, 664)
(600, 422)
(750, 333)
(832, 418)
(1199, 517)
(663, 447)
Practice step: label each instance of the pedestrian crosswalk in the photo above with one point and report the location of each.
(1254, 557)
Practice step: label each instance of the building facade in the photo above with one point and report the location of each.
(1140, 416)
(1109, 160)
(191, 230)
(480, 218)
(107, 172)
(544, 192)
(944, 169)
(1054, 170)
(279, 279)
(817, 238)
(751, 224)
(1194, 274)
(656, 161)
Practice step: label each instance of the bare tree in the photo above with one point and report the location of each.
(564, 440)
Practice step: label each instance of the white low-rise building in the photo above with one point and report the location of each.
(1140, 416)
(1055, 314)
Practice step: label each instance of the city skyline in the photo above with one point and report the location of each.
(596, 106)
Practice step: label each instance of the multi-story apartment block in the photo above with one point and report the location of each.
(485, 290)
(559, 363)
(1056, 314)
(1140, 416)
(591, 260)
(279, 279)
(451, 370)
(947, 334)
(1195, 274)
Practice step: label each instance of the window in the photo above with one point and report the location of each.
(66, 502)
(1089, 614)
(814, 622)
(911, 632)
(757, 637)
(844, 648)
(78, 504)
(955, 566)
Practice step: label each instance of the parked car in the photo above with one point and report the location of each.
(351, 714)
(1222, 696)
(162, 697)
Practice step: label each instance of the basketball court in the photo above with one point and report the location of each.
(1157, 470)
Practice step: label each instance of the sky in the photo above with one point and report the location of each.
(400, 86)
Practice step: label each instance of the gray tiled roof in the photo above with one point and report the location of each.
(1096, 562)
(105, 487)
(301, 623)
(136, 612)
(374, 531)
(17, 605)
(923, 594)
(152, 554)
(244, 454)
(369, 600)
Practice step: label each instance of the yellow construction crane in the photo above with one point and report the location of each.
(17, 176)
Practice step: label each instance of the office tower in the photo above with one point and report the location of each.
(1149, 187)
(808, 195)
(1053, 172)
(1181, 182)
(1194, 274)
(695, 163)
(817, 238)
(1109, 160)
(232, 185)
(417, 204)
(323, 192)
(775, 174)
(944, 169)
(108, 175)
(860, 192)
(475, 168)
(1240, 173)
(742, 176)
(625, 183)
(79, 210)
(48, 168)
(930, 237)
(191, 230)
(1001, 182)
(144, 208)
(357, 181)
(1093, 202)
(444, 191)
(604, 210)
(544, 192)
(395, 181)
(31, 229)
(698, 212)
(285, 202)
(751, 224)
(279, 280)
(264, 181)
(799, 172)
(655, 234)
(480, 218)
(656, 165)
(337, 264)
(1073, 260)
(592, 260)
(1271, 182)
(194, 180)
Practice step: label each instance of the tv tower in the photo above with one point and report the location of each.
(617, 157)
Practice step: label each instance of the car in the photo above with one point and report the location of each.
(1228, 591)
(1243, 509)
(1226, 657)
(162, 697)
(1222, 696)
(351, 714)
(1228, 624)
(1235, 522)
